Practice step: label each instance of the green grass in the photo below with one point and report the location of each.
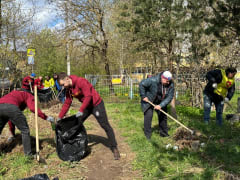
(152, 158)
(157, 162)
(17, 165)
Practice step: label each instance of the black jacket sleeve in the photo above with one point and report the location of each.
(231, 91)
(214, 76)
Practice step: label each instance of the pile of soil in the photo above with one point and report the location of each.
(49, 104)
(229, 176)
(184, 139)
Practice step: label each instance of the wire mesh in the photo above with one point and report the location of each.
(122, 88)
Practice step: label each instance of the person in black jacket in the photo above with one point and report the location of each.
(158, 89)
(219, 89)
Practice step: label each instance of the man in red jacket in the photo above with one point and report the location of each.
(28, 82)
(38, 82)
(92, 103)
(11, 107)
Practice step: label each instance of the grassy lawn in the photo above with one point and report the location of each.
(220, 155)
(157, 162)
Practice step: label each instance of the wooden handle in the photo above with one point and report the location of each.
(59, 93)
(171, 117)
(31, 87)
(53, 92)
(36, 122)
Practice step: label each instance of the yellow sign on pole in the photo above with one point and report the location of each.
(31, 52)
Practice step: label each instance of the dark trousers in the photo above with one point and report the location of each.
(100, 114)
(162, 122)
(10, 111)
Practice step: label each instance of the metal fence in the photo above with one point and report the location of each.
(115, 88)
(237, 85)
(122, 88)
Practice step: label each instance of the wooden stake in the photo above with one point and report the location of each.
(36, 123)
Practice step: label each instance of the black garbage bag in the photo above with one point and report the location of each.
(39, 177)
(45, 95)
(71, 139)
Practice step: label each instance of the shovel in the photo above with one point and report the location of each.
(36, 123)
(192, 132)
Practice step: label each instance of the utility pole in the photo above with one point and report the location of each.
(67, 39)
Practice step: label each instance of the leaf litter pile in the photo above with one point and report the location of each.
(184, 139)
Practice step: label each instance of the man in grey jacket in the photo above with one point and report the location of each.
(158, 89)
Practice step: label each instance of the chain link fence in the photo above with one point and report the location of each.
(122, 88)
(115, 88)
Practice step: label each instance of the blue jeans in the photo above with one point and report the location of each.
(207, 109)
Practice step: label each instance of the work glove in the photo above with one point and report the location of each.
(79, 114)
(50, 119)
(214, 85)
(226, 99)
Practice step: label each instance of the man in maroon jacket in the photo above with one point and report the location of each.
(11, 107)
(38, 82)
(92, 103)
(28, 82)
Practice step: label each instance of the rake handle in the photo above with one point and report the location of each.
(60, 92)
(36, 123)
(229, 105)
(31, 87)
(171, 117)
(53, 92)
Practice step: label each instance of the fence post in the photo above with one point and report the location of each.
(131, 89)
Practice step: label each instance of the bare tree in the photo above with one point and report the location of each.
(87, 26)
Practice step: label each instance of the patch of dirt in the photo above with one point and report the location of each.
(101, 164)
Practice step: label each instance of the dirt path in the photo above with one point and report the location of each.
(100, 162)
(98, 165)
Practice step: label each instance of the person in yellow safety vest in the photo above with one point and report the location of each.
(48, 82)
(219, 89)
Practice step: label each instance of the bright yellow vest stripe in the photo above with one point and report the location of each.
(222, 87)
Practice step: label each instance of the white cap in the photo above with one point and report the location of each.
(167, 75)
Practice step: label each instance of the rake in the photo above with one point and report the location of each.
(192, 132)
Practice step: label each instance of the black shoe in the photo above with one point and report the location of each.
(164, 134)
(116, 154)
(31, 156)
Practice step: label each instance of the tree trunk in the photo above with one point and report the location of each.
(107, 70)
(170, 44)
(0, 21)
(104, 52)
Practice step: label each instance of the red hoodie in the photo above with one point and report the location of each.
(83, 91)
(38, 83)
(22, 100)
(26, 81)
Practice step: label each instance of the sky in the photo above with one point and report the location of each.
(46, 14)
